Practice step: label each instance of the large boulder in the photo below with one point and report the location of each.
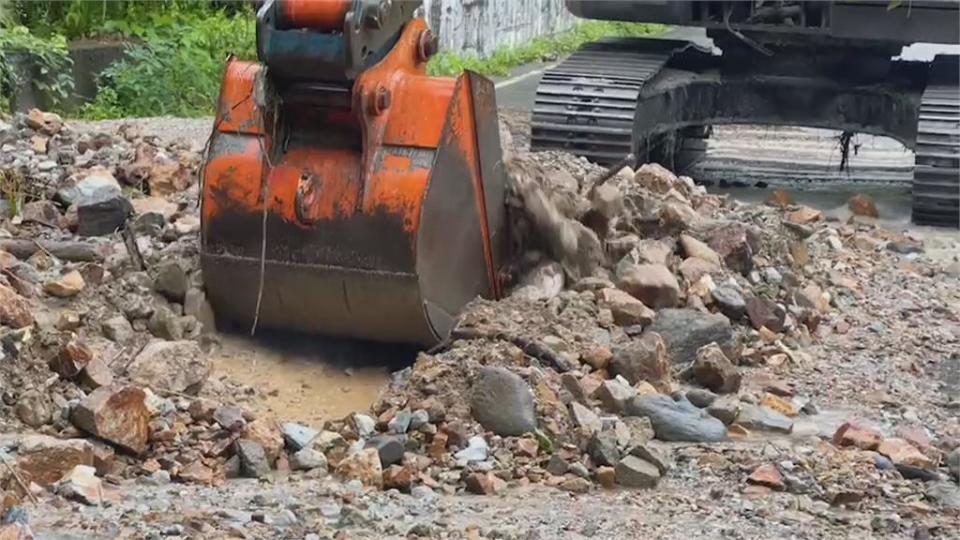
(652, 284)
(684, 331)
(626, 309)
(177, 366)
(677, 420)
(714, 370)
(117, 414)
(502, 402)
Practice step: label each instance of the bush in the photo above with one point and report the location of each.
(177, 69)
(43, 62)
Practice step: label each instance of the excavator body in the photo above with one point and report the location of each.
(345, 192)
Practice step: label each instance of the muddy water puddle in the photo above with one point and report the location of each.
(307, 379)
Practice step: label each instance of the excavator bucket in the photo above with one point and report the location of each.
(369, 209)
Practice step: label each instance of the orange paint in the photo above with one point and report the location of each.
(322, 15)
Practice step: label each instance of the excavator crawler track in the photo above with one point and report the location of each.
(936, 173)
(586, 104)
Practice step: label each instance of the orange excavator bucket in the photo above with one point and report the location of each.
(367, 207)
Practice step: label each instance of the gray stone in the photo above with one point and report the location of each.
(102, 217)
(579, 469)
(760, 418)
(730, 302)
(171, 281)
(400, 422)
(229, 418)
(656, 453)
(725, 409)
(686, 330)
(614, 395)
(714, 370)
(253, 460)
(157, 478)
(365, 425)
(297, 436)
(418, 418)
(652, 284)
(307, 459)
(173, 366)
(632, 471)
(99, 185)
(585, 418)
(640, 430)
(602, 447)
(164, 324)
(701, 397)
(476, 450)
(677, 421)
(557, 466)
(643, 359)
(34, 408)
(945, 493)
(571, 383)
(764, 312)
(503, 403)
(953, 463)
(117, 329)
(389, 448)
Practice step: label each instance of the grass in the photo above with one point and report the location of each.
(539, 50)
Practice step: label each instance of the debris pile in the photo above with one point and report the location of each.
(650, 329)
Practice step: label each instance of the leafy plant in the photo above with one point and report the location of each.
(43, 62)
(11, 187)
(539, 50)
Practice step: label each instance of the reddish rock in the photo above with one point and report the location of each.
(780, 199)
(652, 284)
(902, 452)
(644, 359)
(804, 215)
(438, 446)
(598, 357)
(71, 359)
(917, 436)
(528, 447)
(483, 483)
(46, 122)
(267, 433)
(44, 460)
(626, 309)
(607, 477)
(66, 286)
(863, 205)
(766, 475)
(14, 309)
(765, 313)
(103, 457)
(196, 473)
(116, 414)
(398, 477)
(850, 434)
(96, 374)
(363, 466)
(714, 370)
(736, 244)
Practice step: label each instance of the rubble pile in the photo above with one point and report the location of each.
(650, 327)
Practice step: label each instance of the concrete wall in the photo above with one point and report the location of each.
(481, 26)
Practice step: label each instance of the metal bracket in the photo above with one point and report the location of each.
(369, 26)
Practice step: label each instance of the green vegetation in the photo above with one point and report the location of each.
(43, 62)
(539, 50)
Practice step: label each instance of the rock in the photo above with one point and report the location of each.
(714, 370)
(644, 359)
(804, 215)
(765, 313)
(364, 425)
(780, 199)
(502, 402)
(736, 244)
(43, 212)
(778, 404)
(693, 269)
(730, 302)
(902, 452)
(400, 422)
(701, 397)
(632, 471)
(482, 483)
(655, 177)
(44, 460)
(390, 448)
(602, 447)
(307, 459)
(175, 366)
(650, 251)
(15, 310)
(229, 418)
(585, 419)
(725, 409)
(673, 421)
(297, 436)
(34, 408)
(597, 357)
(46, 122)
(626, 309)
(850, 434)
(171, 281)
(72, 358)
(476, 450)
(154, 205)
(945, 493)
(614, 394)
(102, 216)
(266, 432)
(695, 248)
(557, 466)
(766, 475)
(98, 185)
(863, 205)
(196, 473)
(607, 477)
(67, 286)
(654, 452)
(953, 462)
(116, 414)
(759, 418)
(165, 325)
(685, 331)
(117, 329)
(253, 459)
(652, 284)
(363, 466)
(576, 485)
(398, 477)
(82, 484)
(542, 283)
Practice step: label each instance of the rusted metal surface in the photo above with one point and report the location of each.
(381, 221)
